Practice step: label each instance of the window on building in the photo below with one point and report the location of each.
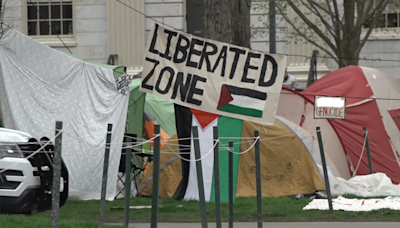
(387, 20)
(390, 18)
(50, 17)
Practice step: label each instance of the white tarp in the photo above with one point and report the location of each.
(371, 185)
(40, 85)
(342, 203)
(212, 76)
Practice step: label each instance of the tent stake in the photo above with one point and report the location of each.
(104, 179)
(328, 189)
(156, 177)
(258, 180)
(128, 170)
(371, 170)
(55, 196)
(230, 184)
(200, 183)
(216, 180)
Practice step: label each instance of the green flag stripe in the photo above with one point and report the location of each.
(240, 110)
(227, 127)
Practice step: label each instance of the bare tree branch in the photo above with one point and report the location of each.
(306, 37)
(376, 11)
(314, 9)
(337, 24)
(317, 6)
(370, 29)
(337, 15)
(332, 15)
(310, 24)
(362, 8)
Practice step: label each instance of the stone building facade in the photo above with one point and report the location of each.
(115, 31)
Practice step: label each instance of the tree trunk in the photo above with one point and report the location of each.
(227, 21)
(350, 44)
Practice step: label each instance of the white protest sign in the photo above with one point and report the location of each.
(330, 107)
(212, 76)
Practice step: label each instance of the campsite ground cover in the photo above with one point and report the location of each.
(284, 209)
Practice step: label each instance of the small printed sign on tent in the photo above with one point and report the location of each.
(330, 107)
(212, 76)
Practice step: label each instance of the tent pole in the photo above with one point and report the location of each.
(200, 183)
(230, 183)
(105, 173)
(258, 180)
(216, 180)
(156, 177)
(371, 170)
(321, 149)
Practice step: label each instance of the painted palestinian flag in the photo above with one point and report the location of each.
(227, 127)
(241, 101)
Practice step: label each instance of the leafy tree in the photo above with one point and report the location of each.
(339, 24)
(227, 21)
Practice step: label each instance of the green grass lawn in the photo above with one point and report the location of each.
(86, 213)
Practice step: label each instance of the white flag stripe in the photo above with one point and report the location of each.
(247, 102)
(206, 144)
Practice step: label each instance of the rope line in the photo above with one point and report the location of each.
(351, 97)
(199, 159)
(136, 10)
(362, 152)
(256, 139)
(391, 159)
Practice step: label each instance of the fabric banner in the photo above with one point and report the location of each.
(212, 76)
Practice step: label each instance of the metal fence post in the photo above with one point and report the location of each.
(321, 149)
(55, 197)
(105, 174)
(371, 169)
(258, 180)
(128, 169)
(200, 183)
(217, 180)
(230, 159)
(156, 177)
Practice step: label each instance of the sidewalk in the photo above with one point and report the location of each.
(274, 225)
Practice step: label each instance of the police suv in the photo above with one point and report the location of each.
(26, 173)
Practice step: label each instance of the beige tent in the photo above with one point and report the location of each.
(289, 159)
